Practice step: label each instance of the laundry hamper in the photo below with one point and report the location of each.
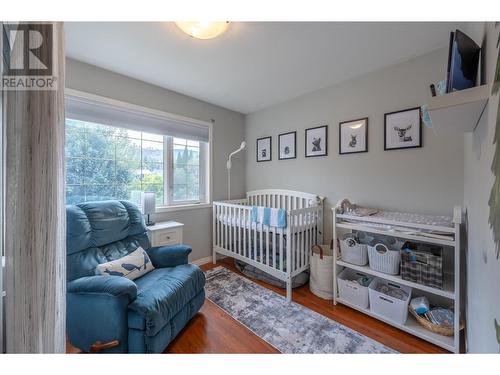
(321, 265)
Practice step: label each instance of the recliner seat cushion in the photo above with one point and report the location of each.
(161, 294)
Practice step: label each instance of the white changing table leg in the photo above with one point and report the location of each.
(289, 290)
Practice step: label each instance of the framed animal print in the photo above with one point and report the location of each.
(264, 149)
(353, 136)
(317, 141)
(287, 144)
(403, 129)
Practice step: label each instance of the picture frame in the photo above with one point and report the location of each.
(316, 141)
(403, 129)
(353, 136)
(287, 145)
(264, 149)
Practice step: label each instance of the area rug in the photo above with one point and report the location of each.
(289, 327)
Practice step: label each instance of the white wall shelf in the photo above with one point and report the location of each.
(379, 224)
(459, 111)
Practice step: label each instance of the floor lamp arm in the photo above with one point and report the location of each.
(228, 165)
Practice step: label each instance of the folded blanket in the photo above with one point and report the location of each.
(272, 217)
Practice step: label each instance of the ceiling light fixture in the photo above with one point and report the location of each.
(203, 30)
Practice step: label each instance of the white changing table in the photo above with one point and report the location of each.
(417, 228)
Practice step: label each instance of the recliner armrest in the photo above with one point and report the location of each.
(169, 256)
(112, 285)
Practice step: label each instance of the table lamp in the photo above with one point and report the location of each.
(148, 206)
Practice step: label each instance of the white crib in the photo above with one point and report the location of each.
(280, 252)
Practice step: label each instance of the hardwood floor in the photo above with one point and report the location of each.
(214, 331)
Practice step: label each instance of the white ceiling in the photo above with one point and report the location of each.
(253, 65)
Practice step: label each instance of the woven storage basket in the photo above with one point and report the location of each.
(384, 259)
(441, 330)
(426, 268)
(321, 266)
(354, 254)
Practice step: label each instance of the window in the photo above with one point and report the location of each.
(108, 162)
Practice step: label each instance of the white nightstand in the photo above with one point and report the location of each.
(165, 233)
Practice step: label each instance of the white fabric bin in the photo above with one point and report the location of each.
(391, 308)
(351, 291)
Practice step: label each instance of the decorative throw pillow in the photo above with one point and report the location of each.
(131, 266)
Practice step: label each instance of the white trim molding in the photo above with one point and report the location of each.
(200, 262)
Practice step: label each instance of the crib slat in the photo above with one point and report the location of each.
(219, 226)
(292, 251)
(230, 222)
(303, 239)
(221, 208)
(225, 227)
(267, 245)
(255, 245)
(235, 229)
(238, 229)
(261, 245)
(281, 251)
(275, 248)
(244, 224)
(231, 230)
(307, 245)
(300, 245)
(249, 245)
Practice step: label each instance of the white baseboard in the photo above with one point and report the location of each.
(202, 261)
(206, 260)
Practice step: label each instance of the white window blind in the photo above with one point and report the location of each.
(134, 118)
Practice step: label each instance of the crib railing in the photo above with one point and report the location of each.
(306, 228)
(280, 252)
(234, 232)
(286, 199)
(236, 236)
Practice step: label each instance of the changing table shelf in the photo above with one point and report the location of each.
(446, 292)
(365, 228)
(415, 228)
(411, 326)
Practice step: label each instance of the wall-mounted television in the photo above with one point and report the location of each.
(463, 62)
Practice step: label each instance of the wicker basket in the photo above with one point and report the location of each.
(441, 330)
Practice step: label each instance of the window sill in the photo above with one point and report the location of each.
(182, 207)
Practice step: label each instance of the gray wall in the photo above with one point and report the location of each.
(483, 267)
(227, 136)
(428, 179)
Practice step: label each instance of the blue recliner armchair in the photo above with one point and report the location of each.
(144, 314)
